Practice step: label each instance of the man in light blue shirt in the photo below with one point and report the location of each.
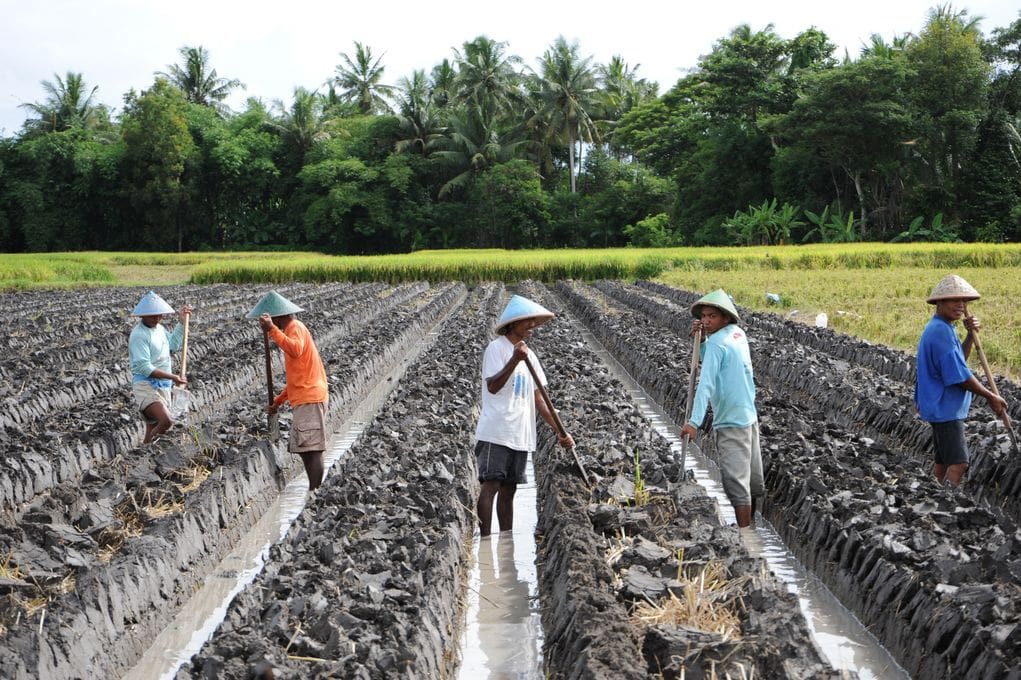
(944, 383)
(149, 349)
(726, 383)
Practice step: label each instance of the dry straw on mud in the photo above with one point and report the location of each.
(710, 603)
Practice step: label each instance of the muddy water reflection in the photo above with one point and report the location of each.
(503, 633)
(846, 643)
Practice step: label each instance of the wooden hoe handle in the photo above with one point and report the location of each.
(561, 432)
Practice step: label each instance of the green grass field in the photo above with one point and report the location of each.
(875, 291)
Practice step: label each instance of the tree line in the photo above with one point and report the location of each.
(765, 140)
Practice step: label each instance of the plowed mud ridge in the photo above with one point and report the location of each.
(103, 540)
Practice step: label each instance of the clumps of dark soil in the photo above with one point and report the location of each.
(370, 579)
(849, 487)
(619, 557)
(103, 540)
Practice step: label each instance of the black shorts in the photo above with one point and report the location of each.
(948, 441)
(498, 463)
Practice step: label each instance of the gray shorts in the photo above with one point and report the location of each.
(949, 443)
(499, 463)
(740, 461)
(308, 428)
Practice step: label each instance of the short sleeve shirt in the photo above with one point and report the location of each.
(941, 369)
(508, 417)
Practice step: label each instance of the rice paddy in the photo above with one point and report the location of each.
(875, 291)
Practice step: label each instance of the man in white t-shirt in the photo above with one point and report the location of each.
(510, 399)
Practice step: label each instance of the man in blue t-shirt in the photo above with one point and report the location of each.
(945, 384)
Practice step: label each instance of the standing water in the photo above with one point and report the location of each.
(846, 643)
(503, 632)
(198, 618)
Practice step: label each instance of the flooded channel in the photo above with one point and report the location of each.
(503, 633)
(846, 643)
(198, 618)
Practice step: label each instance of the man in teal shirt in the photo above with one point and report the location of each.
(726, 382)
(149, 348)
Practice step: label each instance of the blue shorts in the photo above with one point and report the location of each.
(949, 443)
(499, 463)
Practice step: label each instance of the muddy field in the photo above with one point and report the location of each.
(103, 540)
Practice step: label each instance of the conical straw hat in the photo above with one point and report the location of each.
(274, 304)
(952, 287)
(521, 308)
(150, 305)
(719, 299)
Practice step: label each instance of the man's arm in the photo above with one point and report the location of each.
(495, 383)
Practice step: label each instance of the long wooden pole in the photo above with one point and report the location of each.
(559, 426)
(992, 383)
(272, 420)
(184, 348)
(695, 347)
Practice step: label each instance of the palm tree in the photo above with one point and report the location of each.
(199, 83)
(621, 91)
(444, 78)
(302, 125)
(878, 47)
(67, 105)
(471, 147)
(359, 80)
(419, 128)
(487, 80)
(568, 87)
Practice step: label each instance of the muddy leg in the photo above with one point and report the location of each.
(505, 506)
(157, 412)
(485, 505)
(956, 472)
(939, 472)
(313, 461)
(743, 513)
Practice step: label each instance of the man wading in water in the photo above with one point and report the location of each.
(506, 429)
(149, 349)
(944, 383)
(306, 387)
(727, 383)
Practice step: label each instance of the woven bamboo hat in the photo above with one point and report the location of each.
(521, 308)
(274, 304)
(952, 287)
(719, 299)
(151, 304)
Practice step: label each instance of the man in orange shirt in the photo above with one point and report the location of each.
(306, 387)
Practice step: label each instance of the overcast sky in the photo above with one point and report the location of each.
(276, 46)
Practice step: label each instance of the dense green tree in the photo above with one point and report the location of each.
(200, 83)
(240, 179)
(856, 119)
(360, 80)
(158, 147)
(510, 208)
(947, 92)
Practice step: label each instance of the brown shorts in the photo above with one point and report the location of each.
(308, 428)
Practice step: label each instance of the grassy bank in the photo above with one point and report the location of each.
(875, 291)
